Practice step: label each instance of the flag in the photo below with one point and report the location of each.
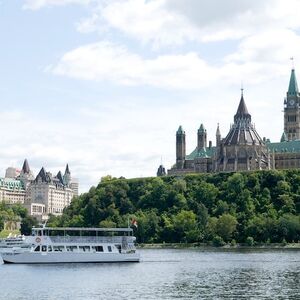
(134, 223)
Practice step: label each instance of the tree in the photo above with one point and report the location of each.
(264, 205)
(185, 226)
(226, 226)
(27, 223)
(206, 193)
(234, 187)
(289, 227)
(107, 224)
(221, 208)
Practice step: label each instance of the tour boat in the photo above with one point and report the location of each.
(13, 242)
(74, 245)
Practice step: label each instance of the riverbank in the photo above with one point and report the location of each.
(211, 247)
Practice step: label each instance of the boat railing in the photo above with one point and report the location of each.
(91, 239)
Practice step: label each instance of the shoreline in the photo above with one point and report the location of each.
(205, 246)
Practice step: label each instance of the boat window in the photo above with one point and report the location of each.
(71, 248)
(58, 248)
(49, 248)
(109, 248)
(84, 248)
(118, 247)
(37, 249)
(97, 248)
(44, 248)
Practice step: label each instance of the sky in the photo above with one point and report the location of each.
(104, 84)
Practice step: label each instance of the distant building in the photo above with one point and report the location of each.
(243, 149)
(161, 171)
(41, 195)
(12, 191)
(12, 172)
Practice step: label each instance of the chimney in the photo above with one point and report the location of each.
(209, 144)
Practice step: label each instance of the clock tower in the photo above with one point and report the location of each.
(292, 110)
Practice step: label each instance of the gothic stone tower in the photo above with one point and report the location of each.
(291, 110)
(180, 148)
(242, 148)
(202, 137)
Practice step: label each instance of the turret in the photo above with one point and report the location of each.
(180, 148)
(293, 85)
(67, 176)
(161, 171)
(25, 168)
(60, 177)
(26, 174)
(202, 137)
(291, 109)
(283, 138)
(218, 136)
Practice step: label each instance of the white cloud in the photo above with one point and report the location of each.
(105, 61)
(269, 46)
(37, 4)
(104, 142)
(169, 22)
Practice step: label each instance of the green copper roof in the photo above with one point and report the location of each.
(204, 152)
(281, 147)
(180, 130)
(293, 86)
(201, 128)
(11, 184)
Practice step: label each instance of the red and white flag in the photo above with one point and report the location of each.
(134, 223)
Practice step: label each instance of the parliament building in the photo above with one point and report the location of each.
(243, 149)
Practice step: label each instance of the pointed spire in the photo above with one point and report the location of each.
(242, 111)
(59, 177)
(67, 171)
(161, 171)
(25, 168)
(180, 130)
(293, 86)
(42, 174)
(201, 128)
(218, 130)
(283, 138)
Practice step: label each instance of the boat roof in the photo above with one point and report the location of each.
(83, 229)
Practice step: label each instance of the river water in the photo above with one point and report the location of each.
(162, 274)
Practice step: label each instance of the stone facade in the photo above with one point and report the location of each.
(41, 195)
(243, 149)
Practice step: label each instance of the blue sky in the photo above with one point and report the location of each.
(104, 85)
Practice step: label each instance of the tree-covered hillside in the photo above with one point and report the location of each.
(260, 206)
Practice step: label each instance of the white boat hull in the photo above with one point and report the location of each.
(67, 257)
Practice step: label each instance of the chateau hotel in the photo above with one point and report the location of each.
(42, 195)
(242, 148)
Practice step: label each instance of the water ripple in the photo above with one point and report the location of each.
(162, 274)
